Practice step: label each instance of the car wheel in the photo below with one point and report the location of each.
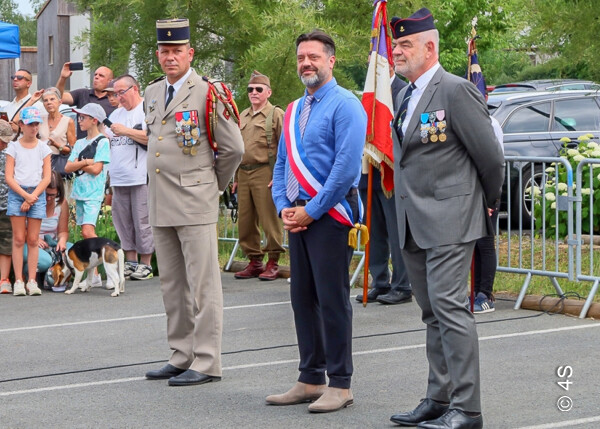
(522, 198)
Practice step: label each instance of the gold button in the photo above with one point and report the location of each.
(157, 170)
(164, 122)
(157, 154)
(160, 138)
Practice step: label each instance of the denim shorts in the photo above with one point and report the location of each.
(86, 211)
(36, 211)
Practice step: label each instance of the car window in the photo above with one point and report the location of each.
(582, 114)
(567, 86)
(534, 118)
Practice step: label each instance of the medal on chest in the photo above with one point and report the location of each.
(187, 131)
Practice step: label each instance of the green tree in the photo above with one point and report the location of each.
(233, 37)
(565, 29)
(27, 24)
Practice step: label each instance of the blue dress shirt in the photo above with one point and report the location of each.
(333, 141)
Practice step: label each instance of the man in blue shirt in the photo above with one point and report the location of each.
(315, 192)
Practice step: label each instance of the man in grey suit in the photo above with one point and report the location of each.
(185, 177)
(384, 236)
(448, 171)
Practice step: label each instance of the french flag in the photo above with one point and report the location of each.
(377, 99)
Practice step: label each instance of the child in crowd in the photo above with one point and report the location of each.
(54, 231)
(27, 175)
(6, 133)
(88, 160)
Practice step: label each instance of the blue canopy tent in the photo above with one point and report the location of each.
(10, 46)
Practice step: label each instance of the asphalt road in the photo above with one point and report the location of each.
(78, 362)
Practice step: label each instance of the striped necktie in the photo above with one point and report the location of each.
(292, 189)
(404, 108)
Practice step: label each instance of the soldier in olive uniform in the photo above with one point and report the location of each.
(261, 127)
(186, 174)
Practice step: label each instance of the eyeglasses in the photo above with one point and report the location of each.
(18, 77)
(258, 89)
(83, 117)
(51, 195)
(122, 93)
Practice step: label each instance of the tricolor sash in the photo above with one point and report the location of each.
(306, 174)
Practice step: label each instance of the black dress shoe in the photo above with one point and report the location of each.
(454, 419)
(191, 377)
(373, 294)
(428, 409)
(164, 373)
(395, 296)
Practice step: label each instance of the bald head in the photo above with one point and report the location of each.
(102, 76)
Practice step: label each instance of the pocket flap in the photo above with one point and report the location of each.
(195, 178)
(452, 191)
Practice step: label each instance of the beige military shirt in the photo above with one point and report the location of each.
(253, 127)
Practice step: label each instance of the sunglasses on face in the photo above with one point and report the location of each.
(258, 89)
(13, 77)
(51, 195)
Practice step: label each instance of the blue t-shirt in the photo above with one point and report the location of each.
(87, 186)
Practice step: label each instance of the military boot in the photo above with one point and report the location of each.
(253, 269)
(271, 271)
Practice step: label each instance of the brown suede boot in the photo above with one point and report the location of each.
(271, 271)
(253, 269)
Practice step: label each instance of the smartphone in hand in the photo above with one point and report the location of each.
(76, 66)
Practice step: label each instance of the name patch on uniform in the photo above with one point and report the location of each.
(187, 130)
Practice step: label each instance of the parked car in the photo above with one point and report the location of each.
(533, 124)
(547, 85)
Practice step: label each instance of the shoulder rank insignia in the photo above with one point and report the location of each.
(158, 79)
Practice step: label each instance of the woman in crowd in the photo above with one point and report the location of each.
(57, 128)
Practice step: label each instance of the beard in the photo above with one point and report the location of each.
(315, 80)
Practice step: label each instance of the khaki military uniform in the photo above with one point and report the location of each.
(254, 175)
(183, 204)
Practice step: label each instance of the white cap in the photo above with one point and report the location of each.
(92, 109)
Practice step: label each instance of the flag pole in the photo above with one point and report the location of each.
(376, 28)
(368, 245)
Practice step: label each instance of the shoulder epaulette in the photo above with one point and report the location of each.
(158, 79)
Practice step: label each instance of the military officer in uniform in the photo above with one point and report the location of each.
(185, 177)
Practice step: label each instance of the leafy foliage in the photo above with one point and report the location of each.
(556, 187)
(27, 24)
(232, 38)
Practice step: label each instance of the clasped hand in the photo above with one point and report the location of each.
(295, 219)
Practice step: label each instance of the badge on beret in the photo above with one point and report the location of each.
(187, 131)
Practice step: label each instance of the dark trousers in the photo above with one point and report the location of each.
(320, 295)
(383, 241)
(485, 262)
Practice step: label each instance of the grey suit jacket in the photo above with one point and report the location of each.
(443, 189)
(184, 189)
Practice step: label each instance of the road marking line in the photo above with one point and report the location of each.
(122, 319)
(295, 361)
(564, 424)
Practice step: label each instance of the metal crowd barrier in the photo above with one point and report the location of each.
(227, 232)
(592, 275)
(545, 258)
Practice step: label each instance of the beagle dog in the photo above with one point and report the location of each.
(84, 256)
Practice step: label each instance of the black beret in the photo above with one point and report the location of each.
(173, 31)
(421, 20)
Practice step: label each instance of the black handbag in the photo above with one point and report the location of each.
(58, 164)
(89, 152)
